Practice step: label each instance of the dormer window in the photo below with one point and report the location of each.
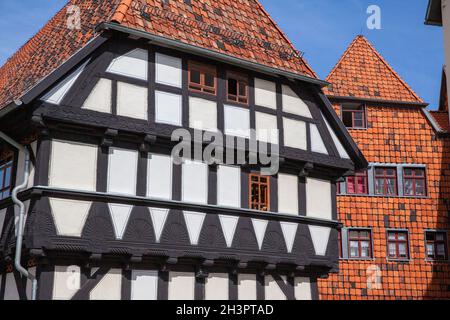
(202, 78)
(259, 192)
(354, 116)
(5, 178)
(237, 87)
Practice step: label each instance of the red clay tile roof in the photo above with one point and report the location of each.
(240, 28)
(363, 73)
(442, 119)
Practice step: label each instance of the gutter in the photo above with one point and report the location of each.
(174, 44)
(17, 259)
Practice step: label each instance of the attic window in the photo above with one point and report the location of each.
(237, 87)
(354, 116)
(202, 78)
(5, 178)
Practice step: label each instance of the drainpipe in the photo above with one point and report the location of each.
(17, 263)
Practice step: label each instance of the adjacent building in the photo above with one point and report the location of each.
(94, 100)
(395, 214)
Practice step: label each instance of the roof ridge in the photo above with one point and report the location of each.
(285, 37)
(389, 67)
(344, 55)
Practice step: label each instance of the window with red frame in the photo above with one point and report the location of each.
(436, 245)
(6, 168)
(398, 247)
(386, 181)
(354, 116)
(360, 244)
(202, 78)
(259, 192)
(414, 182)
(237, 87)
(358, 184)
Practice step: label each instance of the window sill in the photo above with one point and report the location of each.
(357, 259)
(381, 196)
(403, 261)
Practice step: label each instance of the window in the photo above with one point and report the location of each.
(237, 88)
(202, 78)
(436, 245)
(259, 192)
(354, 116)
(386, 181)
(398, 245)
(357, 184)
(341, 254)
(360, 244)
(5, 178)
(414, 182)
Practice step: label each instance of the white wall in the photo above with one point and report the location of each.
(216, 286)
(318, 199)
(265, 94)
(293, 104)
(100, 97)
(132, 64)
(247, 287)
(302, 288)
(109, 288)
(132, 101)
(159, 176)
(69, 216)
(195, 182)
(70, 170)
(168, 70)
(273, 291)
(229, 186)
(237, 121)
(144, 285)
(66, 282)
(122, 171)
(11, 292)
(267, 128)
(181, 286)
(317, 144)
(295, 134)
(168, 108)
(288, 194)
(202, 114)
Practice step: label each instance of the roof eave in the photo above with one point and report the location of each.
(170, 43)
(434, 13)
(379, 101)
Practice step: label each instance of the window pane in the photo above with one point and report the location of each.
(420, 173)
(365, 249)
(402, 250)
(362, 185)
(195, 76)
(408, 172)
(354, 234)
(392, 250)
(430, 250)
(420, 187)
(440, 236)
(392, 236)
(351, 185)
(391, 186)
(354, 249)
(2, 172)
(209, 80)
(409, 191)
(441, 251)
(347, 118)
(242, 89)
(430, 236)
(8, 177)
(402, 237)
(379, 186)
(232, 87)
(390, 172)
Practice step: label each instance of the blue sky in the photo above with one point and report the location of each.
(322, 29)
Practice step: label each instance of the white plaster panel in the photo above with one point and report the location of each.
(168, 70)
(73, 166)
(120, 214)
(122, 171)
(66, 282)
(293, 104)
(320, 237)
(267, 128)
(159, 217)
(295, 134)
(181, 286)
(265, 93)
(228, 224)
(132, 64)
(100, 97)
(69, 216)
(302, 289)
(11, 292)
(58, 92)
(288, 194)
(318, 199)
(194, 223)
(289, 232)
(247, 287)
(159, 176)
(237, 121)
(109, 288)
(195, 182)
(229, 186)
(144, 285)
(168, 108)
(21, 167)
(216, 286)
(132, 101)
(202, 114)
(273, 291)
(317, 144)
(260, 227)
(342, 152)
